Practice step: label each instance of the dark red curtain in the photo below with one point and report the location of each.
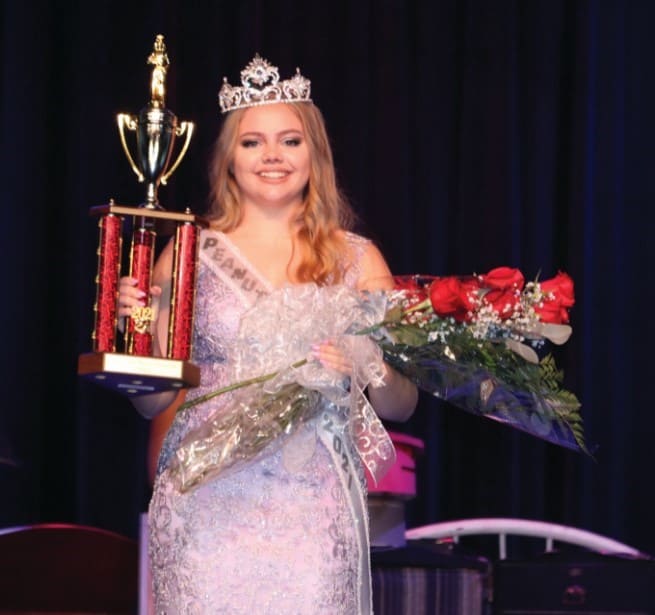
(468, 134)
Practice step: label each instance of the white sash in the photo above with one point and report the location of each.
(225, 260)
(332, 430)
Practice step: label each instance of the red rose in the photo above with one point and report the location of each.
(503, 278)
(452, 296)
(504, 302)
(559, 297)
(561, 286)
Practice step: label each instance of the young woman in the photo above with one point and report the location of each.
(284, 531)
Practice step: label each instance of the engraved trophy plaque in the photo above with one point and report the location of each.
(135, 371)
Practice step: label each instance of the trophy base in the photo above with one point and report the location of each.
(131, 375)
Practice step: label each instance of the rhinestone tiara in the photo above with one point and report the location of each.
(262, 86)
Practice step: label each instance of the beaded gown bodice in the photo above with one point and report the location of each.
(276, 535)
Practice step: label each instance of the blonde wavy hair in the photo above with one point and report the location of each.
(325, 213)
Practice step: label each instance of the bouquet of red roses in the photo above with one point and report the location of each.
(477, 342)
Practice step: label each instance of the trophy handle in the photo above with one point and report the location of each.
(128, 121)
(187, 127)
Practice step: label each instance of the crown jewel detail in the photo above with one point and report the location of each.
(261, 85)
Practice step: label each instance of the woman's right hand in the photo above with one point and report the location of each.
(130, 296)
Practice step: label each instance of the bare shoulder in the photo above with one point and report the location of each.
(372, 267)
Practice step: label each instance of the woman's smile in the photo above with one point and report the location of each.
(271, 159)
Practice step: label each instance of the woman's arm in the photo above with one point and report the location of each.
(130, 296)
(396, 399)
(159, 426)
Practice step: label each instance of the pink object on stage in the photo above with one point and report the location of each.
(386, 499)
(401, 478)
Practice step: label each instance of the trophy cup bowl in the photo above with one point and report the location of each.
(156, 132)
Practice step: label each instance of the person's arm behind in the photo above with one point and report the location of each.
(130, 296)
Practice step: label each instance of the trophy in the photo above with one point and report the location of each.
(135, 371)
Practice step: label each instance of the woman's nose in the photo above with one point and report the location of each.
(271, 153)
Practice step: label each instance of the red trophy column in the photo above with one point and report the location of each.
(184, 283)
(109, 264)
(138, 335)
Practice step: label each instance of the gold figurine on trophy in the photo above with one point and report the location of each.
(159, 60)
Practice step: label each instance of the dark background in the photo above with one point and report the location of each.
(468, 134)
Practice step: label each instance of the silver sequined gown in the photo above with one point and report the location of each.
(276, 537)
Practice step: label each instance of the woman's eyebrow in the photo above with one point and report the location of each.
(286, 131)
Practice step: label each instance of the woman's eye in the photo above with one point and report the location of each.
(249, 143)
(293, 141)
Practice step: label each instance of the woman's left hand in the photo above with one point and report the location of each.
(329, 355)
